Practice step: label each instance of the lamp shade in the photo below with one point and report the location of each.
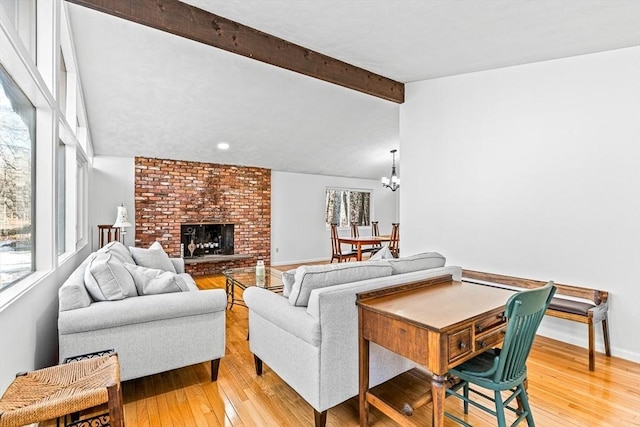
(122, 220)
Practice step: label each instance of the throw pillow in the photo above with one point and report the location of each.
(423, 261)
(383, 253)
(154, 257)
(310, 277)
(106, 279)
(288, 278)
(117, 249)
(151, 281)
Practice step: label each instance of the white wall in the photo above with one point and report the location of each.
(111, 183)
(533, 171)
(29, 334)
(298, 231)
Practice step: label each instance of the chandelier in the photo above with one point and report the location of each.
(393, 183)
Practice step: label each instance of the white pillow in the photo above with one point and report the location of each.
(151, 281)
(423, 261)
(117, 249)
(383, 253)
(310, 277)
(106, 279)
(154, 257)
(288, 278)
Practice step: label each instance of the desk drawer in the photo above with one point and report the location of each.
(491, 339)
(490, 323)
(459, 344)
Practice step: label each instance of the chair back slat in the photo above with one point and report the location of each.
(394, 243)
(374, 228)
(335, 244)
(524, 312)
(354, 233)
(106, 234)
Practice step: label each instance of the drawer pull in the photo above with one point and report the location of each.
(463, 345)
(483, 344)
(478, 328)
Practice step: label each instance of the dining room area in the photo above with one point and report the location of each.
(355, 246)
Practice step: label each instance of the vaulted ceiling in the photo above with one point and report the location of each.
(155, 94)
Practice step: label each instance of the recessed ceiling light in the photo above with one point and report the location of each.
(223, 146)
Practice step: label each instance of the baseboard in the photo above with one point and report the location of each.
(300, 261)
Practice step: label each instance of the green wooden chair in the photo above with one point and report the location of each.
(505, 369)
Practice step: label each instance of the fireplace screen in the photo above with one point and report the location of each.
(206, 239)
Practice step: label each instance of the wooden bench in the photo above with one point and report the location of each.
(592, 307)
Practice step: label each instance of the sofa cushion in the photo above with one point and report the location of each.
(383, 253)
(117, 249)
(106, 279)
(151, 281)
(423, 261)
(154, 257)
(288, 279)
(310, 277)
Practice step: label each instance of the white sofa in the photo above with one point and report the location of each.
(162, 329)
(313, 345)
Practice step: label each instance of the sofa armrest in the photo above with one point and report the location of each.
(276, 309)
(178, 264)
(141, 309)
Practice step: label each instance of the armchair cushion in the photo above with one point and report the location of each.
(423, 261)
(310, 277)
(151, 281)
(106, 279)
(154, 257)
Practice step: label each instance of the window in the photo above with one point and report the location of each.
(81, 178)
(17, 142)
(346, 206)
(61, 208)
(22, 14)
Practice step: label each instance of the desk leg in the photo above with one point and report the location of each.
(438, 395)
(363, 372)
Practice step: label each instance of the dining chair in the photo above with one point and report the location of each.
(106, 234)
(394, 243)
(375, 231)
(336, 249)
(505, 370)
(355, 232)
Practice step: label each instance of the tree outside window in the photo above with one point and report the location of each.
(17, 142)
(346, 206)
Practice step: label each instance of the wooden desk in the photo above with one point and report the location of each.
(438, 323)
(363, 240)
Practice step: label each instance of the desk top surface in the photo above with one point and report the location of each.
(439, 306)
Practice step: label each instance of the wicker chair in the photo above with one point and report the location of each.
(60, 390)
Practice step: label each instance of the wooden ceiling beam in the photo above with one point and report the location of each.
(187, 21)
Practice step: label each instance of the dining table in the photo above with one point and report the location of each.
(360, 241)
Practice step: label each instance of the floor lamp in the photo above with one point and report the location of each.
(122, 221)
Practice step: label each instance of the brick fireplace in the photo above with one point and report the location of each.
(169, 193)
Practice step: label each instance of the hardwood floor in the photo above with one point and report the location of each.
(562, 391)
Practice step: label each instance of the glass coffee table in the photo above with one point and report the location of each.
(245, 277)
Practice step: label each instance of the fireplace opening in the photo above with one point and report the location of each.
(203, 239)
